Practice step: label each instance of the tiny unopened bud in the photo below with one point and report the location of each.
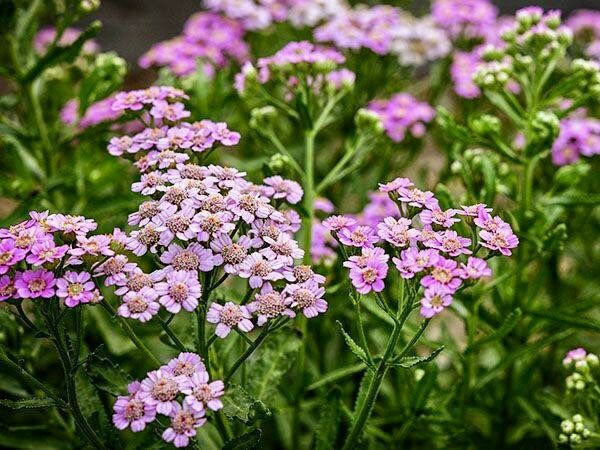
(567, 426)
(456, 167)
(592, 360)
(368, 120)
(419, 374)
(88, 6)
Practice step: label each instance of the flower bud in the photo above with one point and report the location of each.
(88, 6)
(367, 120)
(567, 426)
(592, 360)
(486, 124)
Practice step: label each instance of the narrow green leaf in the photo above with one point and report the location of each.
(28, 403)
(573, 199)
(246, 441)
(584, 323)
(329, 420)
(60, 54)
(335, 375)
(507, 326)
(424, 388)
(106, 375)
(358, 351)
(410, 361)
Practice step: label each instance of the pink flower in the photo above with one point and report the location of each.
(439, 217)
(259, 270)
(228, 316)
(444, 274)
(284, 189)
(475, 269)
(194, 257)
(131, 411)
(35, 283)
(367, 273)
(284, 248)
(141, 305)
(213, 224)
(434, 301)
(576, 354)
(502, 240)
(7, 288)
(270, 303)
(10, 255)
(450, 242)
(231, 253)
(397, 231)
(308, 297)
(115, 269)
(160, 388)
(418, 198)
(396, 185)
(185, 364)
(337, 223)
(180, 290)
(200, 394)
(360, 236)
(76, 288)
(184, 422)
(46, 252)
(413, 261)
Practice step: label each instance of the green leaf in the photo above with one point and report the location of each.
(424, 388)
(489, 179)
(583, 323)
(329, 420)
(335, 375)
(7, 15)
(28, 403)
(358, 351)
(270, 362)
(410, 361)
(239, 404)
(507, 326)
(578, 199)
(246, 441)
(62, 54)
(362, 390)
(106, 375)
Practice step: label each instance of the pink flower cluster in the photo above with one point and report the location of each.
(181, 390)
(468, 18)
(315, 63)
(46, 36)
(402, 113)
(419, 236)
(97, 113)
(43, 258)
(260, 14)
(209, 220)
(208, 40)
(385, 30)
(585, 24)
(577, 137)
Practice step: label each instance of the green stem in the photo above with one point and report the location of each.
(361, 331)
(40, 124)
(309, 192)
(129, 331)
(338, 169)
(366, 407)
(165, 326)
(236, 365)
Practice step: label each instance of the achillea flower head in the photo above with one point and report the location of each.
(140, 305)
(367, 272)
(35, 283)
(228, 316)
(577, 137)
(403, 114)
(181, 289)
(130, 411)
(434, 301)
(76, 288)
(470, 18)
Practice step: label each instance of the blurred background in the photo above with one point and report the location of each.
(132, 26)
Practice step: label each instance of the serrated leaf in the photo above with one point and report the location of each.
(28, 403)
(362, 390)
(410, 361)
(106, 375)
(329, 420)
(241, 405)
(246, 441)
(507, 326)
(270, 362)
(358, 351)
